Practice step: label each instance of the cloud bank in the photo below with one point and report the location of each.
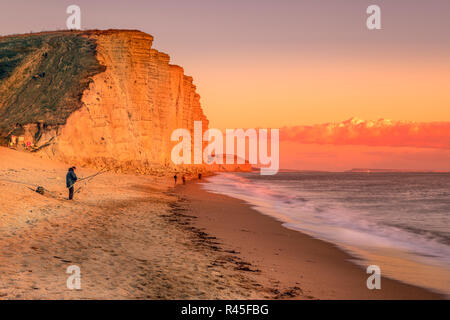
(380, 132)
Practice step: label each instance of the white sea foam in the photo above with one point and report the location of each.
(361, 214)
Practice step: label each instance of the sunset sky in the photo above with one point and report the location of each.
(287, 63)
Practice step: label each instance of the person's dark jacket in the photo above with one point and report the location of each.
(71, 178)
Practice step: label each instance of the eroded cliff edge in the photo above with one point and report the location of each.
(126, 109)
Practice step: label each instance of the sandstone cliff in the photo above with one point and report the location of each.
(131, 109)
(125, 111)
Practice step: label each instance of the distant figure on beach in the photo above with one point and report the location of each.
(184, 180)
(71, 178)
(175, 179)
(199, 176)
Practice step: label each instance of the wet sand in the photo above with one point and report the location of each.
(291, 264)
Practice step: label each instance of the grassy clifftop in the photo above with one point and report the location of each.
(43, 76)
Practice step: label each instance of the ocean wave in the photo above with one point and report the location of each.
(329, 220)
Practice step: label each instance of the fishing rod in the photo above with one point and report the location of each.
(34, 187)
(94, 175)
(89, 178)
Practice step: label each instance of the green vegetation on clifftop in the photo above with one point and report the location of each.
(43, 76)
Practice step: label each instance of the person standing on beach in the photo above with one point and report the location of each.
(184, 180)
(175, 179)
(71, 178)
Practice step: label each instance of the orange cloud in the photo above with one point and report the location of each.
(372, 133)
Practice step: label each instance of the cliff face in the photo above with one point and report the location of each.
(130, 110)
(125, 116)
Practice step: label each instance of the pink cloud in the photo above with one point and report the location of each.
(372, 133)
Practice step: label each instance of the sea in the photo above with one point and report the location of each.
(397, 221)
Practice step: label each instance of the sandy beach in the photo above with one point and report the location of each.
(290, 263)
(137, 237)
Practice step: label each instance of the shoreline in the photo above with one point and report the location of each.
(138, 237)
(288, 258)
